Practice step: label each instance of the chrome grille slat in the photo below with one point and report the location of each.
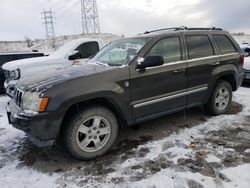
(18, 96)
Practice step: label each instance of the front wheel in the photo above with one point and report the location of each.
(91, 133)
(221, 99)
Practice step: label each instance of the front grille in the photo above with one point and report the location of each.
(18, 96)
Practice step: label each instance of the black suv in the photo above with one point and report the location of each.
(129, 81)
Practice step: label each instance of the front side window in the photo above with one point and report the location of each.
(199, 46)
(224, 44)
(120, 52)
(169, 49)
(88, 49)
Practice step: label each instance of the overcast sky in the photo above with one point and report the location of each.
(20, 18)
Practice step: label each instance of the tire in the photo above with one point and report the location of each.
(216, 104)
(91, 133)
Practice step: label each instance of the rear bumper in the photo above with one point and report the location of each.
(43, 127)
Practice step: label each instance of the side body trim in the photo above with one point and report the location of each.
(171, 96)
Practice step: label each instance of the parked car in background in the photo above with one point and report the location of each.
(63, 57)
(246, 68)
(6, 57)
(129, 81)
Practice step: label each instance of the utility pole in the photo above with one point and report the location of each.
(90, 19)
(48, 21)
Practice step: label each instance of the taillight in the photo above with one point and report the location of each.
(242, 60)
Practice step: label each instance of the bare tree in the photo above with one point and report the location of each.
(28, 41)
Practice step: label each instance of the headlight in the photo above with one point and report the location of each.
(33, 102)
(14, 75)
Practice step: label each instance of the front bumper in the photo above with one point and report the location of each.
(40, 127)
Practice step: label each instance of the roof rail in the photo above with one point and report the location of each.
(204, 28)
(184, 28)
(165, 29)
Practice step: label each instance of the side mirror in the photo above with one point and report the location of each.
(150, 61)
(74, 55)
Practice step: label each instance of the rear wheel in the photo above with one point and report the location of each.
(221, 99)
(91, 133)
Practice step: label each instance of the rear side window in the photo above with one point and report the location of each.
(199, 46)
(88, 49)
(224, 44)
(168, 48)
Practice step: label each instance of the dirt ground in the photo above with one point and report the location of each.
(56, 159)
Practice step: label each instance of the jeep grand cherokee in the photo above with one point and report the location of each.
(128, 82)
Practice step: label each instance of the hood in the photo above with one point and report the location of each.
(46, 79)
(25, 63)
(28, 70)
(247, 63)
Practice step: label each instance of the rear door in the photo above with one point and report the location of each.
(202, 58)
(157, 90)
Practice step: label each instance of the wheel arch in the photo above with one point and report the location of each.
(230, 78)
(100, 101)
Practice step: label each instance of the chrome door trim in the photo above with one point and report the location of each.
(165, 98)
(192, 60)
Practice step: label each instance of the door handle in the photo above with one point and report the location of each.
(215, 64)
(179, 71)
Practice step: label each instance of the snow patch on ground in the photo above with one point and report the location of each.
(247, 151)
(181, 149)
(239, 176)
(22, 177)
(212, 159)
(12, 174)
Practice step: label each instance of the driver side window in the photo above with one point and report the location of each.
(88, 49)
(169, 49)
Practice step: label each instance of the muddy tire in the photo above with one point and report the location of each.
(221, 99)
(91, 133)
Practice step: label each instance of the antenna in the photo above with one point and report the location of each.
(90, 19)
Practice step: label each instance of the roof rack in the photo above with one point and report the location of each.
(205, 28)
(165, 29)
(184, 28)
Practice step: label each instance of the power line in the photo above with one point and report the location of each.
(48, 21)
(90, 19)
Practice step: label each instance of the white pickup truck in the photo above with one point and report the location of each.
(75, 51)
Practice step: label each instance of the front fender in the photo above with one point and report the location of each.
(109, 86)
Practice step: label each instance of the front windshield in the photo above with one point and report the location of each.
(63, 51)
(120, 52)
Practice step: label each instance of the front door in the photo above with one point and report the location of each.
(157, 90)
